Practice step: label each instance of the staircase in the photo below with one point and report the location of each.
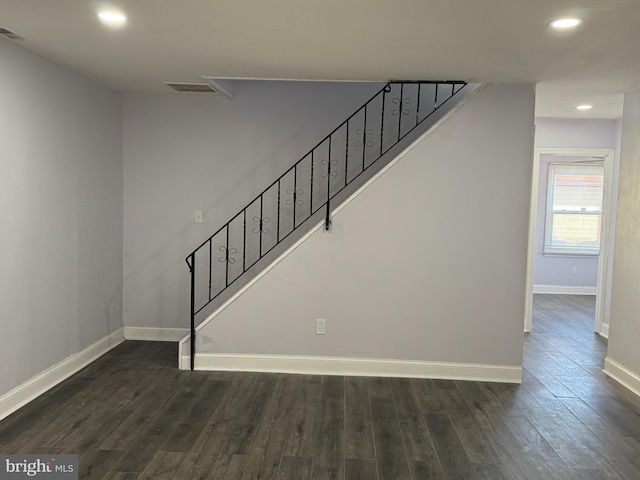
(308, 192)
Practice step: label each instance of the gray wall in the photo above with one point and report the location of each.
(624, 332)
(575, 133)
(61, 212)
(428, 263)
(566, 133)
(201, 152)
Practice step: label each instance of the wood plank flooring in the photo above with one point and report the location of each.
(132, 415)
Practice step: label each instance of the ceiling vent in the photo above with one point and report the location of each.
(9, 34)
(192, 87)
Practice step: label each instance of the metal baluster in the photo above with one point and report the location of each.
(327, 221)
(210, 267)
(311, 212)
(384, 95)
(418, 105)
(435, 102)
(346, 156)
(193, 309)
(244, 240)
(226, 253)
(400, 110)
(364, 138)
(295, 193)
(278, 222)
(260, 227)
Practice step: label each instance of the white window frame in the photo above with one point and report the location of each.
(548, 248)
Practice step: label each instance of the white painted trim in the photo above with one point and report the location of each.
(533, 219)
(184, 360)
(604, 331)
(601, 315)
(36, 386)
(366, 367)
(223, 86)
(622, 375)
(155, 334)
(564, 290)
(183, 346)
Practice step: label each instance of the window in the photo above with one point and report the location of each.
(574, 209)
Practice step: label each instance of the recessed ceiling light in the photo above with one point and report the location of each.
(584, 107)
(112, 17)
(565, 23)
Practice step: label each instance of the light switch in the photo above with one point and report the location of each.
(198, 216)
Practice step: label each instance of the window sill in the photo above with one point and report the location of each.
(570, 254)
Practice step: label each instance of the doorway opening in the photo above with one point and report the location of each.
(537, 250)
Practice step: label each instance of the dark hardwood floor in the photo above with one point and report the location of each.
(132, 415)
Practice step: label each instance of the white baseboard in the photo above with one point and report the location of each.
(36, 386)
(604, 330)
(620, 374)
(365, 367)
(155, 334)
(564, 290)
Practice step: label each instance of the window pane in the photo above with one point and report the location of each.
(577, 191)
(576, 231)
(574, 208)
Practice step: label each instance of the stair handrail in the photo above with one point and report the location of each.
(456, 86)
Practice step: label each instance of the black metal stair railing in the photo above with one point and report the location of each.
(309, 186)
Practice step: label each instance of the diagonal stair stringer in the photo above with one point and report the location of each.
(317, 222)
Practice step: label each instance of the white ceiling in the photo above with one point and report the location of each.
(352, 40)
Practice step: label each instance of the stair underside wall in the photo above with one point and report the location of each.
(427, 264)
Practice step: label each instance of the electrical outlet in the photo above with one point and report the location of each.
(321, 324)
(574, 270)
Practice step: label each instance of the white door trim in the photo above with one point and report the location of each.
(607, 203)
